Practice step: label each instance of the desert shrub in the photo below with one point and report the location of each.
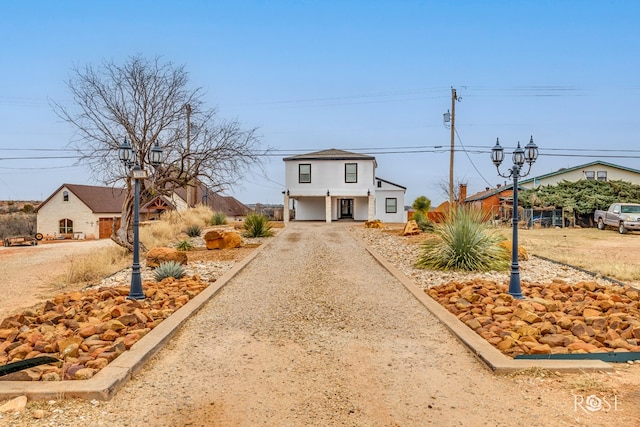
(424, 223)
(463, 241)
(168, 269)
(17, 224)
(218, 218)
(193, 230)
(257, 226)
(184, 245)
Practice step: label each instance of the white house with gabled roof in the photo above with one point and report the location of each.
(597, 170)
(332, 185)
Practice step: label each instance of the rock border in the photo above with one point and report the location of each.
(115, 375)
(485, 352)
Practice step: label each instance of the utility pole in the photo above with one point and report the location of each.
(454, 98)
(453, 134)
(188, 108)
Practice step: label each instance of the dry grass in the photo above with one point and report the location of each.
(589, 383)
(172, 224)
(95, 266)
(601, 251)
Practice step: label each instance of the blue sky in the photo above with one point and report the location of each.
(367, 76)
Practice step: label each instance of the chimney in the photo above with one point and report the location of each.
(463, 192)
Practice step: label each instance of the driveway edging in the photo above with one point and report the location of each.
(478, 346)
(114, 376)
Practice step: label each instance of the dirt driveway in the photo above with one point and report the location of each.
(314, 332)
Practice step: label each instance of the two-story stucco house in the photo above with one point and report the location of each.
(333, 184)
(86, 211)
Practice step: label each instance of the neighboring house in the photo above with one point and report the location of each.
(333, 184)
(86, 211)
(495, 203)
(598, 170)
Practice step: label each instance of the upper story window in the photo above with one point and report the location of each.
(304, 173)
(602, 175)
(351, 172)
(65, 196)
(379, 184)
(589, 175)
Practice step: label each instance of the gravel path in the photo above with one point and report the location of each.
(315, 333)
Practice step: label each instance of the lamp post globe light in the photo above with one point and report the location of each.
(128, 158)
(529, 155)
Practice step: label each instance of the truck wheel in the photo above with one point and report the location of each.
(622, 229)
(600, 224)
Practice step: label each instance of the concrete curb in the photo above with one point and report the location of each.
(488, 354)
(114, 376)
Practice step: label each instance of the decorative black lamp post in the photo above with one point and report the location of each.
(128, 157)
(520, 156)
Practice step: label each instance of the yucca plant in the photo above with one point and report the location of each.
(184, 245)
(193, 231)
(257, 226)
(423, 223)
(463, 241)
(168, 269)
(218, 218)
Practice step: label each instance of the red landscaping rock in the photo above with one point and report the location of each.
(88, 330)
(556, 317)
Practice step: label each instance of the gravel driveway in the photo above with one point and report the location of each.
(314, 332)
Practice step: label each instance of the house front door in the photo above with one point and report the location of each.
(346, 208)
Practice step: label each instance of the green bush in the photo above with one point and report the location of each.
(424, 223)
(184, 245)
(257, 226)
(168, 269)
(194, 231)
(218, 218)
(463, 241)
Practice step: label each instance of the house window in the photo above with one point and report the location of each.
(379, 184)
(66, 226)
(589, 175)
(351, 172)
(304, 173)
(602, 175)
(65, 196)
(391, 205)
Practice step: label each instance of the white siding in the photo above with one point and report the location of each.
(329, 175)
(310, 209)
(385, 191)
(49, 216)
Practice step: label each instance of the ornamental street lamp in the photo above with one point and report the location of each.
(520, 156)
(129, 159)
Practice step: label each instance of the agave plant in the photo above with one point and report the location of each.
(168, 269)
(193, 231)
(463, 241)
(184, 245)
(257, 226)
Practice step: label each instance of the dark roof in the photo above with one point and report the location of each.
(110, 200)
(488, 193)
(98, 199)
(586, 165)
(331, 154)
(389, 182)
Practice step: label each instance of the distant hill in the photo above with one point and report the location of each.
(12, 206)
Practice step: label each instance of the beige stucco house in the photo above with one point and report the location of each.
(84, 211)
(598, 170)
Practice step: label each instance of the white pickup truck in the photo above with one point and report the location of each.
(623, 216)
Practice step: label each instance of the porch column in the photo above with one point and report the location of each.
(285, 210)
(372, 207)
(327, 207)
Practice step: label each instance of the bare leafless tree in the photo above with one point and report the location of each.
(443, 186)
(147, 101)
